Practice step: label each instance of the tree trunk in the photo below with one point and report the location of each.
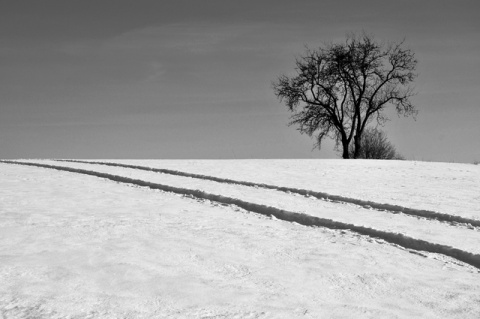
(345, 154)
(356, 141)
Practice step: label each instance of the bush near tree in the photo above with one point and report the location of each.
(375, 145)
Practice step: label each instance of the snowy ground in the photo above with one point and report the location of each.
(94, 242)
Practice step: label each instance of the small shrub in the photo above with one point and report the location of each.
(375, 145)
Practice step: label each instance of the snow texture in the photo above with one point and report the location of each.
(202, 239)
(306, 192)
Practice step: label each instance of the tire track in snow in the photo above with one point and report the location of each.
(300, 218)
(395, 209)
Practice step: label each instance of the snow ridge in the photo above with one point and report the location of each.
(300, 218)
(395, 209)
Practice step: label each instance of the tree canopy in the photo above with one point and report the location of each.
(339, 88)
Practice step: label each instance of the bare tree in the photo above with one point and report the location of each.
(375, 145)
(339, 88)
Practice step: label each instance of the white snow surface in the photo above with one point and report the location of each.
(78, 246)
(452, 188)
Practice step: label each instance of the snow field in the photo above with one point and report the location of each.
(451, 188)
(80, 246)
(304, 192)
(428, 231)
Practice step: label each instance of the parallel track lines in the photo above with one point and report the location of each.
(300, 218)
(442, 217)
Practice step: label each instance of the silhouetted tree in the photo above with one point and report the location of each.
(375, 145)
(339, 88)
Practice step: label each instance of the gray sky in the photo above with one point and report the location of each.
(192, 79)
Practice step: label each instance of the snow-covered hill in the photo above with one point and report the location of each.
(239, 239)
